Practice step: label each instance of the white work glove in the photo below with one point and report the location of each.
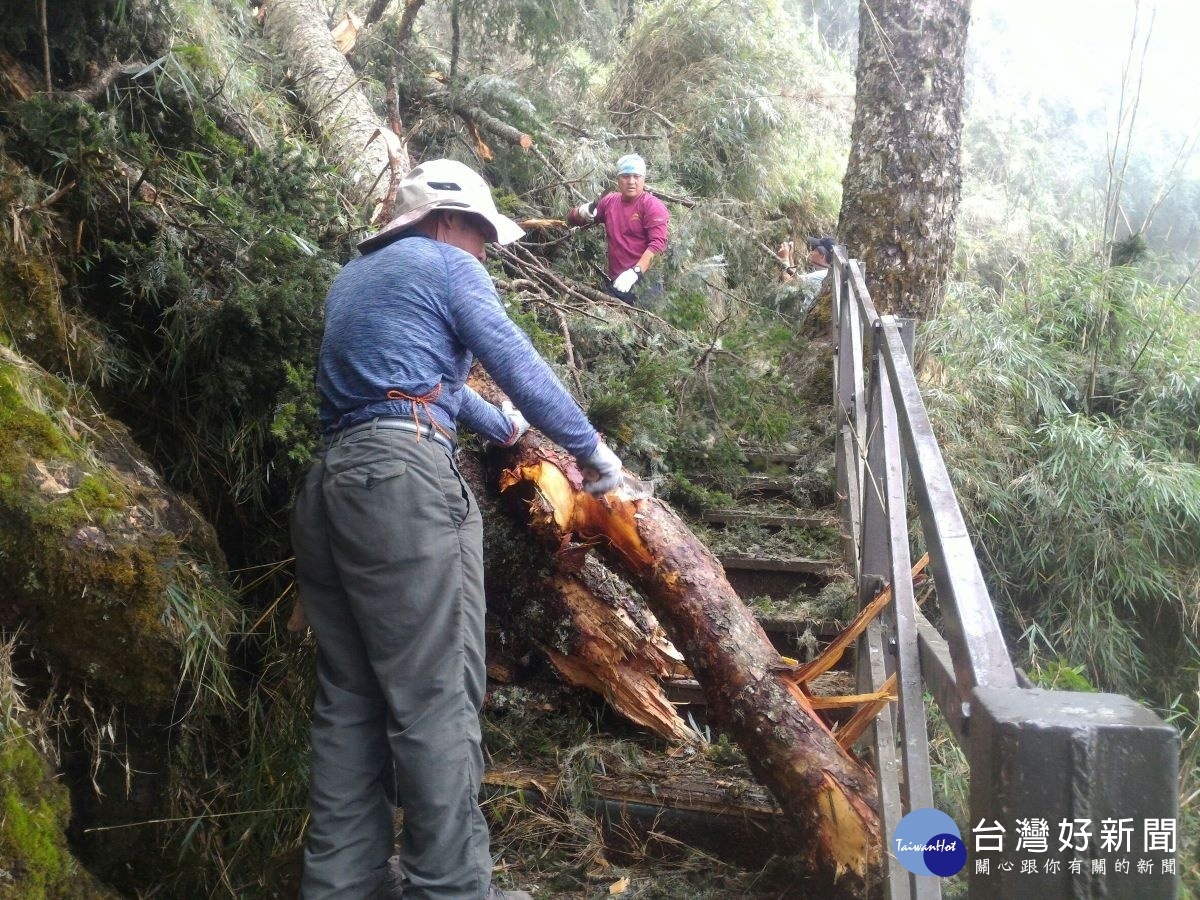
(601, 471)
(626, 280)
(519, 423)
(582, 215)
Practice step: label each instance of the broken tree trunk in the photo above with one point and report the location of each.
(593, 628)
(479, 120)
(655, 810)
(829, 796)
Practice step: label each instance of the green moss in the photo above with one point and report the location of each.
(33, 314)
(94, 493)
(87, 563)
(34, 816)
(23, 429)
(35, 811)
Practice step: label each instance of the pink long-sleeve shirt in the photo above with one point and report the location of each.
(632, 228)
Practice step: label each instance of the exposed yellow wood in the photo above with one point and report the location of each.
(543, 223)
(833, 653)
(861, 720)
(632, 663)
(345, 33)
(845, 846)
(847, 700)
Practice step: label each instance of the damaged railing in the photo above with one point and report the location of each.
(1042, 763)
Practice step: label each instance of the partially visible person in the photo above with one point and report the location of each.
(389, 544)
(636, 225)
(820, 258)
(820, 254)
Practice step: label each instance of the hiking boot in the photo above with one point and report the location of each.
(494, 893)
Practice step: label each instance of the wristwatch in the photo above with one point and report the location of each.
(637, 269)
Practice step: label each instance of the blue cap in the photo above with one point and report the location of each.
(631, 164)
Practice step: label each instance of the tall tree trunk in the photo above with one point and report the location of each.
(903, 180)
(350, 130)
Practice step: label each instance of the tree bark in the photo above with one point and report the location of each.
(409, 17)
(903, 181)
(829, 796)
(476, 117)
(349, 127)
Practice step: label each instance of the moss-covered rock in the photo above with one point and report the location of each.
(115, 578)
(35, 862)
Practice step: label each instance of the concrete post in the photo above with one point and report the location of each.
(1085, 788)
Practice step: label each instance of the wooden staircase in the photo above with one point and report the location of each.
(784, 570)
(773, 549)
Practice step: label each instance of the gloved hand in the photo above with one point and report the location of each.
(601, 471)
(583, 214)
(626, 280)
(518, 421)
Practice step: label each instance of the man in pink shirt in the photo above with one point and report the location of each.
(635, 223)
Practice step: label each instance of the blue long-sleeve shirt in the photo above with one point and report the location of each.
(411, 317)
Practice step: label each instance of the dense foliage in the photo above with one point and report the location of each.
(1071, 412)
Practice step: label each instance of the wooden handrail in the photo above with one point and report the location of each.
(976, 643)
(1012, 734)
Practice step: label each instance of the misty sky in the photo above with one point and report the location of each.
(1075, 50)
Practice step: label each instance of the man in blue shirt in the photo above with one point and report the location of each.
(388, 542)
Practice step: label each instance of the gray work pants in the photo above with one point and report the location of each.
(389, 560)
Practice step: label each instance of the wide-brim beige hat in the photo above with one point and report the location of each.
(443, 184)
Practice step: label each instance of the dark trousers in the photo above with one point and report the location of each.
(389, 561)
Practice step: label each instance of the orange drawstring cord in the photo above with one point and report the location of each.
(422, 404)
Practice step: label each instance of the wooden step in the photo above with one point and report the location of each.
(779, 585)
(772, 457)
(732, 818)
(767, 520)
(825, 568)
(792, 635)
(823, 630)
(764, 484)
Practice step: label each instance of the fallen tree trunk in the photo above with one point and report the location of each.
(481, 118)
(829, 797)
(332, 95)
(653, 811)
